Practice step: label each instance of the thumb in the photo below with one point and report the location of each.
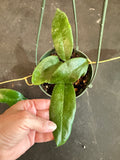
(40, 125)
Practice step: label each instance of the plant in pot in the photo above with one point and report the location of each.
(63, 73)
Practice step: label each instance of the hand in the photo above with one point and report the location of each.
(22, 125)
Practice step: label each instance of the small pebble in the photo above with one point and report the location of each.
(98, 21)
(76, 89)
(77, 82)
(91, 9)
(83, 146)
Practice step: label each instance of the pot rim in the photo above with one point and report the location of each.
(47, 53)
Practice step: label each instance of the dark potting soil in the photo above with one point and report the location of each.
(79, 85)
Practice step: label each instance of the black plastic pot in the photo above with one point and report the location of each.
(89, 73)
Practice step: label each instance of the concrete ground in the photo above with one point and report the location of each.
(96, 129)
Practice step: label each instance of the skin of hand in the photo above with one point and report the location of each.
(22, 125)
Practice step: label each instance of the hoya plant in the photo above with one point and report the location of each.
(61, 69)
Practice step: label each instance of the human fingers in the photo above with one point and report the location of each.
(43, 137)
(42, 104)
(43, 114)
(32, 105)
(38, 124)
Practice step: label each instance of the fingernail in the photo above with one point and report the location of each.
(52, 126)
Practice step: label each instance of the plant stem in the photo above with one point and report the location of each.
(100, 38)
(76, 25)
(39, 29)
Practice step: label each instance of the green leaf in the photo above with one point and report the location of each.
(45, 69)
(62, 111)
(10, 96)
(70, 71)
(62, 35)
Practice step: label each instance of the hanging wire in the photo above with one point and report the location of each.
(76, 25)
(18, 79)
(106, 60)
(100, 38)
(40, 24)
(30, 84)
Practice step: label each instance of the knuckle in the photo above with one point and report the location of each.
(24, 119)
(24, 116)
(29, 104)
